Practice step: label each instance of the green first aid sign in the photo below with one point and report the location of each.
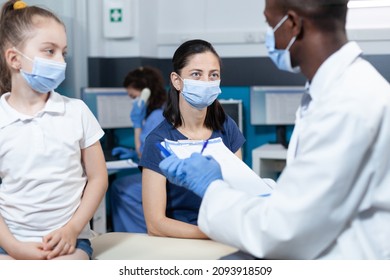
(117, 19)
(116, 15)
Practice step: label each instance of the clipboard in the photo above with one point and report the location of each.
(234, 171)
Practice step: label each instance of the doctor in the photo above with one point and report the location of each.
(333, 199)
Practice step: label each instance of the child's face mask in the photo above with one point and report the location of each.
(46, 74)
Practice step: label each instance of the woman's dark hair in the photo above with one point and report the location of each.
(16, 27)
(215, 116)
(148, 77)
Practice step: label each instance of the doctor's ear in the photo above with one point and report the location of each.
(176, 81)
(296, 22)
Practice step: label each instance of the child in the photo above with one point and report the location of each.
(51, 163)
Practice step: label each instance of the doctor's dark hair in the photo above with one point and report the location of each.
(17, 24)
(148, 77)
(326, 15)
(215, 116)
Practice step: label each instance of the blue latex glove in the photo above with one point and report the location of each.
(172, 169)
(124, 153)
(138, 113)
(200, 172)
(195, 173)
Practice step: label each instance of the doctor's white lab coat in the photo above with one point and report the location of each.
(332, 201)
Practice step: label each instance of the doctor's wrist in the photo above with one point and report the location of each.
(213, 184)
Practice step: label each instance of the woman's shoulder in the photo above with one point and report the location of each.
(232, 135)
(229, 124)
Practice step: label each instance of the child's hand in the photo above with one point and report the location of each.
(60, 242)
(28, 251)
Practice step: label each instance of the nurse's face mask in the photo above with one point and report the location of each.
(281, 58)
(200, 94)
(46, 74)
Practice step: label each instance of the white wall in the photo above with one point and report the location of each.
(236, 28)
(371, 28)
(161, 25)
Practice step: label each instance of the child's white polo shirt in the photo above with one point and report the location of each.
(40, 165)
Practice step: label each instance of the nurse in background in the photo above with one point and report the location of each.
(332, 201)
(192, 113)
(126, 197)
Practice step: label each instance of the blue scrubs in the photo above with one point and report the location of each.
(126, 192)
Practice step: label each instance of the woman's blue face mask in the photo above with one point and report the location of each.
(281, 58)
(200, 94)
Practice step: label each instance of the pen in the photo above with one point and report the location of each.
(204, 146)
(265, 194)
(164, 151)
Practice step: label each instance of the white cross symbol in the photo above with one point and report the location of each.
(116, 15)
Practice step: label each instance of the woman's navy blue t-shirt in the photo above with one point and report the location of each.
(182, 204)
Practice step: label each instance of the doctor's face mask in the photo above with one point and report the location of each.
(200, 94)
(281, 58)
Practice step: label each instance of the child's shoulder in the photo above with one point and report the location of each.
(72, 101)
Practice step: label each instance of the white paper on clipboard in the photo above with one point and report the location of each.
(234, 171)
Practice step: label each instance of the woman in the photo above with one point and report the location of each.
(192, 112)
(126, 197)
